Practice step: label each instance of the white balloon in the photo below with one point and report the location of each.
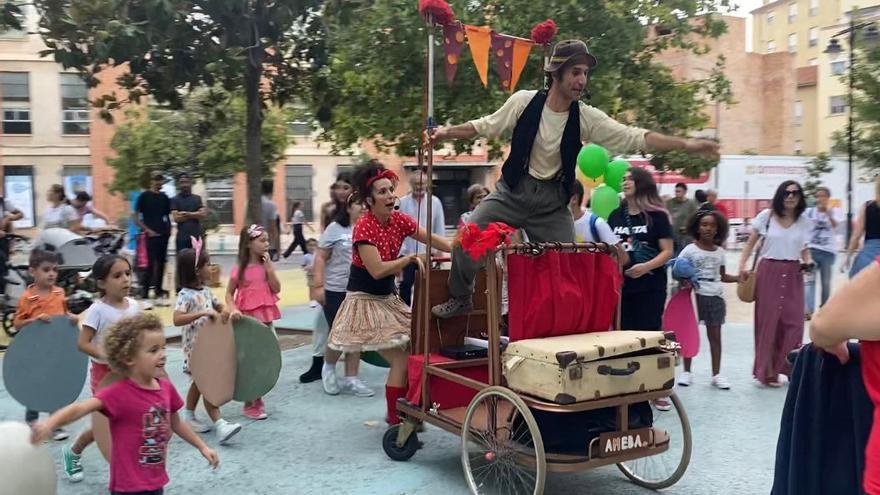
(25, 469)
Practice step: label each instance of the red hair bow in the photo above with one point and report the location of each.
(385, 174)
(477, 243)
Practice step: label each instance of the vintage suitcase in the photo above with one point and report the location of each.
(575, 368)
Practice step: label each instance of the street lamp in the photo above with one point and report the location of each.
(834, 49)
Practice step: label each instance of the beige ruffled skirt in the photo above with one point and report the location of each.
(366, 322)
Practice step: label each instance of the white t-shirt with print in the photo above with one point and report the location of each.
(59, 216)
(824, 235)
(583, 233)
(707, 265)
(100, 316)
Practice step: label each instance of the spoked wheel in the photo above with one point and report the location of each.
(665, 469)
(501, 449)
(7, 322)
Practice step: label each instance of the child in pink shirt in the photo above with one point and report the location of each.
(142, 408)
(253, 290)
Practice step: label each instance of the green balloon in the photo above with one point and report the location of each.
(603, 201)
(593, 160)
(614, 175)
(374, 358)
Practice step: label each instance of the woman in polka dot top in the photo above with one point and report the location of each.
(372, 316)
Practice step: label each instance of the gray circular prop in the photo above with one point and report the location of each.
(43, 369)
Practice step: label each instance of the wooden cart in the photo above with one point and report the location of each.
(501, 446)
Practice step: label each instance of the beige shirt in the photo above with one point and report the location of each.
(544, 162)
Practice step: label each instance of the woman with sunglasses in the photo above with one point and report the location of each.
(779, 286)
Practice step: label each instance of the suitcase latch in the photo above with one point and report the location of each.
(575, 372)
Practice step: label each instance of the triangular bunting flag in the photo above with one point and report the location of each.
(479, 39)
(502, 52)
(453, 41)
(521, 50)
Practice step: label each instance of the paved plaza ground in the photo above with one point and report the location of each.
(313, 443)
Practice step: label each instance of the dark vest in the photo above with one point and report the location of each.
(517, 163)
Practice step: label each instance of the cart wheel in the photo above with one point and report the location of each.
(401, 453)
(665, 469)
(501, 446)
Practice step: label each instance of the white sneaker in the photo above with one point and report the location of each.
(313, 304)
(146, 304)
(163, 302)
(196, 425)
(225, 431)
(356, 387)
(662, 404)
(720, 382)
(60, 434)
(328, 380)
(686, 379)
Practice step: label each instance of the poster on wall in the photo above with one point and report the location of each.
(19, 190)
(77, 183)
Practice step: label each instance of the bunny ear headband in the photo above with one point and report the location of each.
(197, 244)
(255, 231)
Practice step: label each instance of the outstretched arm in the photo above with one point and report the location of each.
(658, 143)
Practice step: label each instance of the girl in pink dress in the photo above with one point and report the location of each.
(253, 290)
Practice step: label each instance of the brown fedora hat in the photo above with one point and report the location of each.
(575, 51)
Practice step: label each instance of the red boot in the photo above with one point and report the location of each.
(391, 396)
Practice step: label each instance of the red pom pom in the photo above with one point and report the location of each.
(477, 243)
(440, 11)
(544, 32)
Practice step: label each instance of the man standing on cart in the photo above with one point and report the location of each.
(549, 128)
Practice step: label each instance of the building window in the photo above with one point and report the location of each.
(838, 67)
(814, 36)
(792, 43)
(837, 104)
(18, 189)
(771, 16)
(16, 33)
(814, 7)
(74, 105)
(792, 13)
(220, 200)
(814, 62)
(298, 186)
(771, 46)
(15, 91)
(798, 112)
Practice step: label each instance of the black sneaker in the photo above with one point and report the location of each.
(453, 307)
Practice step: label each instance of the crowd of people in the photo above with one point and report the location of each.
(370, 238)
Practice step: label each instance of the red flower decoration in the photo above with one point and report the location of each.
(440, 11)
(544, 32)
(477, 243)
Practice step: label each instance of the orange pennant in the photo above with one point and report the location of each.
(521, 50)
(479, 39)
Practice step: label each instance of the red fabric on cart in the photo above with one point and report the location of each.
(561, 294)
(444, 392)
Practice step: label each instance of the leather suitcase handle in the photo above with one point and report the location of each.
(629, 370)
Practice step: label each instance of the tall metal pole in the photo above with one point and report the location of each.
(849, 131)
(425, 322)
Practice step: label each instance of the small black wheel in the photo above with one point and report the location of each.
(402, 453)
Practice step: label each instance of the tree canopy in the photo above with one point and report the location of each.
(372, 84)
(866, 111)
(205, 137)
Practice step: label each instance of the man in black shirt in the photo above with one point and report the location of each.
(151, 215)
(188, 212)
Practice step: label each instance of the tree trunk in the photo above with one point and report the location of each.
(253, 136)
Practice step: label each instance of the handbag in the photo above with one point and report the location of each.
(745, 289)
(642, 252)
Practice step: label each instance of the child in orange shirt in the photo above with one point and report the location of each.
(41, 301)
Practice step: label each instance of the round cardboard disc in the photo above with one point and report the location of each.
(43, 369)
(25, 469)
(100, 423)
(258, 359)
(212, 362)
